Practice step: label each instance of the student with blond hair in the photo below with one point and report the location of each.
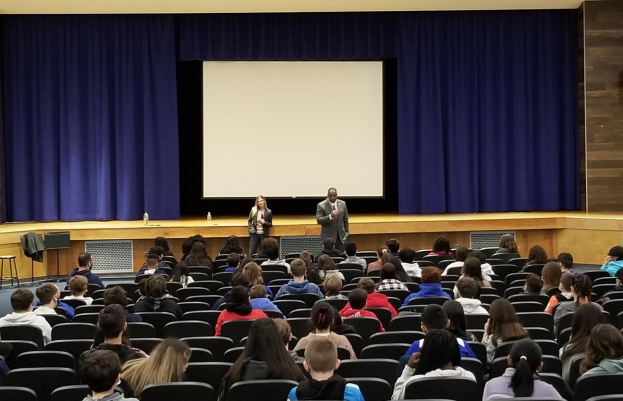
(78, 287)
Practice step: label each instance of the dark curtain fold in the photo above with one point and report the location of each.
(90, 117)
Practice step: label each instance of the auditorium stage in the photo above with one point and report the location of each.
(587, 235)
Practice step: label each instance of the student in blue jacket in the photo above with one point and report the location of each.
(614, 260)
(259, 299)
(430, 287)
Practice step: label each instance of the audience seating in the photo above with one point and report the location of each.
(342, 353)
(288, 305)
(199, 276)
(356, 341)
(141, 330)
(71, 393)
(589, 386)
(216, 345)
(53, 320)
(145, 344)
(559, 384)
(232, 354)
(405, 323)
(435, 259)
(73, 347)
(158, 320)
(535, 268)
(454, 388)
(261, 390)
(383, 314)
(551, 364)
(349, 266)
(365, 326)
(188, 328)
(395, 302)
(14, 393)
(389, 351)
(539, 333)
(268, 275)
(21, 346)
(208, 299)
(236, 329)
(476, 320)
(395, 337)
(87, 318)
(275, 268)
(23, 333)
(596, 274)
(71, 331)
(172, 391)
(200, 355)
(74, 303)
(352, 275)
(223, 277)
(380, 368)
(428, 301)
(194, 306)
(537, 319)
(184, 293)
(611, 397)
(303, 312)
(208, 316)
(172, 287)
(475, 366)
(480, 351)
(528, 306)
(308, 299)
(46, 359)
(41, 380)
(211, 285)
(300, 326)
(373, 389)
(419, 254)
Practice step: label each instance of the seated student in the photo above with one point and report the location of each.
(117, 296)
(350, 248)
(285, 332)
(614, 260)
(78, 286)
(198, 256)
(49, 296)
(313, 272)
(21, 302)
(85, 263)
(264, 245)
(468, 289)
(329, 249)
(389, 279)
(460, 256)
(407, 257)
(533, 284)
(375, 299)
(430, 286)
(152, 266)
(439, 357)
(507, 244)
(232, 245)
(101, 371)
(166, 364)
(327, 267)
(434, 317)
(536, 256)
(155, 299)
(321, 362)
(340, 327)
(441, 247)
(112, 326)
(472, 268)
(233, 261)
(324, 318)
(565, 260)
(259, 299)
(502, 326)
(393, 245)
(458, 323)
(383, 255)
(254, 272)
(550, 276)
(237, 308)
(332, 288)
(263, 357)
(299, 285)
(581, 287)
(238, 278)
(272, 251)
(604, 351)
(356, 306)
(564, 295)
(181, 275)
(521, 377)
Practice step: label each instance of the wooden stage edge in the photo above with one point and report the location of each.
(588, 236)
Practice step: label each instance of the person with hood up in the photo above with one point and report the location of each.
(21, 302)
(299, 285)
(155, 299)
(85, 264)
(237, 308)
(468, 289)
(430, 286)
(604, 351)
(614, 261)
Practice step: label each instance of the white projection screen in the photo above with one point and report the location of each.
(292, 129)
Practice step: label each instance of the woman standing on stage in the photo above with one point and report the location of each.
(260, 222)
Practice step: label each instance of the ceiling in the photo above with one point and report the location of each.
(243, 6)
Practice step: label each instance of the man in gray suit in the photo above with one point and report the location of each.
(332, 215)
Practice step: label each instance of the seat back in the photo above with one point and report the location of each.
(23, 333)
(389, 351)
(365, 326)
(88, 309)
(453, 388)
(87, 317)
(172, 391)
(41, 380)
(208, 316)
(406, 323)
(537, 319)
(158, 320)
(476, 321)
(216, 345)
(46, 359)
(261, 390)
(427, 301)
(395, 337)
(372, 389)
(211, 373)
(300, 326)
(141, 330)
(380, 368)
(288, 305)
(200, 355)
(145, 344)
(74, 331)
(383, 314)
(21, 346)
(70, 393)
(14, 393)
(589, 386)
(236, 329)
(74, 347)
(188, 328)
(308, 299)
(184, 293)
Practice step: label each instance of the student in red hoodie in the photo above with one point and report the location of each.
(375, 299)
(238, 308)
(356, 306)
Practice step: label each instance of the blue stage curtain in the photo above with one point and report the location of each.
(90, 117)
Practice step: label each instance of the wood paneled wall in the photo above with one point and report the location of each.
(603, 104)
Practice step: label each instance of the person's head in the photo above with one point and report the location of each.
(260, 204)
(401, 274)
(233, 259)
(268, 241)
(321, 358)
(328, 244)
(181, 269)
(239, 295)
(245, 261)
(298, 267)
(254, 271)
(551, 275)
(155, 286)
(581, 287)
(605, 342)
(366, 284)
(48, 295)
(615, 253)
(232, 243)
(85, 261)
(503, 321)
(21, 300)
(100, 371)
(481, 256)
(467, 287)
(350, 248)
(442, 244)
(166, 364)
(507, 242)
(357, 298)
(157, 250)
(115, 296)
(406, 255)
(112, 321)
(332, 285)
(265, 344)
(322, 315)
(393, 245)
(533, 284)
(460, 254)
(152, 261)
(431, 274)
(332, 195)
(434, 317)
(258, 291)
(326, 263)
(471, 268)
(565, 260)
(162, 243)
(240, 278)
(388, 272)
(619, 277)
(439, 351)
(537, 254)
(585, 318)
(198, 252)
(78, 285)
(456, 316)
(526, 358)
(306, 257)
(383, 254)
(285, 331)
(566, 281)
(272, 251)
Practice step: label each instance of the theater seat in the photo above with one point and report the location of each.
(179, 391)
(41, 380)
(454, 388)
(261, 390)
(14, 393)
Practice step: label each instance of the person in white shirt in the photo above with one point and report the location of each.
(78, 286)
(48, 295)
(468, 289)
(460, 256)
(485, 267)
(407, 257)
(272, 250)
(21, 302)
(351, 255)
(472, 268)
(327, 268)
(439, 357)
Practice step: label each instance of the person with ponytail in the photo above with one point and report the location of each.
(322, 317)
(521, 377)
(581, 287)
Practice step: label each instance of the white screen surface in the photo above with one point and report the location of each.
(292, 129)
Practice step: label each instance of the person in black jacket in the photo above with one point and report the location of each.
(259, 223)
(156, 298)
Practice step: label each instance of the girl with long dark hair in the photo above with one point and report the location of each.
(503, 325)
(181, 274)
